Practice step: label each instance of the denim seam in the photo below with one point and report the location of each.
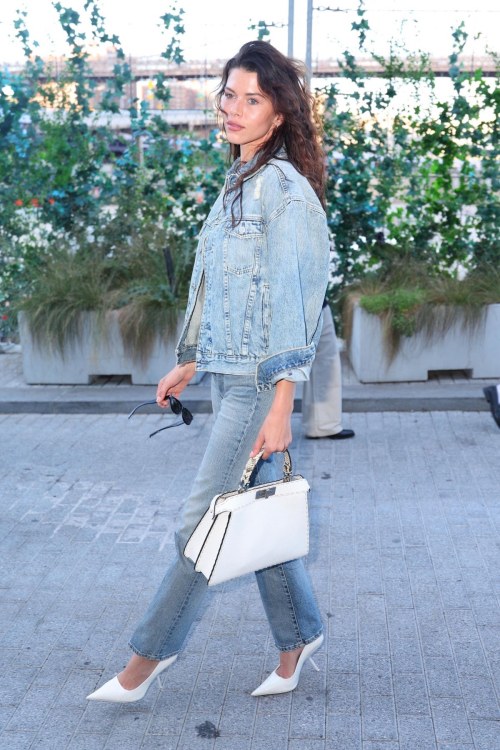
(282, 178)
(181, 610)
(278, 211)
(290, 599)
(217, 383)
(254, 407)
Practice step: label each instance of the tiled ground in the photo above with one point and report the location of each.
(405, 563)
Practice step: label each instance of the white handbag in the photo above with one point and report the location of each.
(252, 528)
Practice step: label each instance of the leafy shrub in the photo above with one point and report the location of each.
(146, 280)
(70, 201)
(402, 178)
(406, 167)
(410, 300)
(402, 304)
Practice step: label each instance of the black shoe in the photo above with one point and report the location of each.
(491, 396)
(343, 435)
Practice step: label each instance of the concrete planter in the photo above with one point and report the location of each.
(96, 356)
(457, 350)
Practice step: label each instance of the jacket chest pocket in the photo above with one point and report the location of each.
(242, 245)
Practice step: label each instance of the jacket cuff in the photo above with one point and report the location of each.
(187, 354)
(274, 368)
(295, 375)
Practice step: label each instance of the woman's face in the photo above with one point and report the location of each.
(248, 114)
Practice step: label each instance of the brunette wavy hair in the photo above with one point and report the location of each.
(284, 81)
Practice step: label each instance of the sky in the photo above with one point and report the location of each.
(217, 28)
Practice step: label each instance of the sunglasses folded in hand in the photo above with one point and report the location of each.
(177, 408)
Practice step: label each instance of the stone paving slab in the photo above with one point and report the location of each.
(404, 561)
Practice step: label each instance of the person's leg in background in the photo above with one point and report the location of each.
(492, 396)
(322, 393)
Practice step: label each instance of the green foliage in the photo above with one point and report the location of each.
(411, 178)
(173, 50)
(67, 285)
(406, 169)
(263, 30)
(144, 279)
(63, 189)
(401, 303)
(409, 299)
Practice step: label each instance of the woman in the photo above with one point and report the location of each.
(253, 320)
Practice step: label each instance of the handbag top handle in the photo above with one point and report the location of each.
(252, 463)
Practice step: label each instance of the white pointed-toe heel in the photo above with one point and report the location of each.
(113, 691)
(275, 684)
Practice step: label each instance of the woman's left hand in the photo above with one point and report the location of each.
(276, 430)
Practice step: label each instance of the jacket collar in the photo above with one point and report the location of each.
(238, 168)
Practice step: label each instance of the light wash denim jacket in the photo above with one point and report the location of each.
(257, 289)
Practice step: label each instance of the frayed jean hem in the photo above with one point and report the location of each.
(301, 643)
(149, 656)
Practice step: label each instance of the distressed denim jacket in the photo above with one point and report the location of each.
(257, 289)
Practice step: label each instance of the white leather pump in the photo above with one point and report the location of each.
(116, 693)
(275, 684)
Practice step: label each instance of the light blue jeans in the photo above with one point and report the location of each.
(289, 603)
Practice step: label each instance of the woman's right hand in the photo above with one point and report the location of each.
(174, 383)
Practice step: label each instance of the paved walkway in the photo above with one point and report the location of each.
(405, 564)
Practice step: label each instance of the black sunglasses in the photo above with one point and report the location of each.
(177, 408)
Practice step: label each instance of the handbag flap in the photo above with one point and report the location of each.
(196, 540)
(259, 536)
(213, 544)
(262, 493)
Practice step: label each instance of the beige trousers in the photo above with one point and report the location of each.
(322, 394)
